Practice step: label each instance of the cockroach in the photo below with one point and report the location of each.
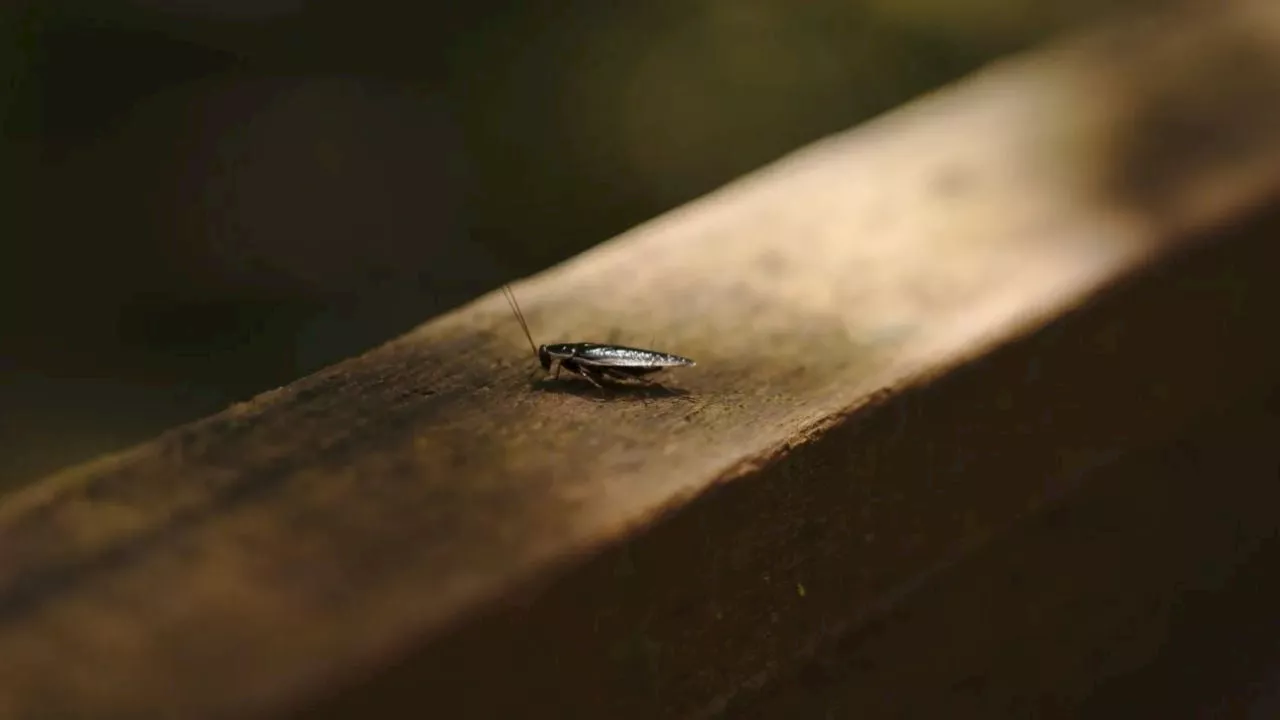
(595, 361)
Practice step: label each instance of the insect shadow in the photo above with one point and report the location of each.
(610, 390)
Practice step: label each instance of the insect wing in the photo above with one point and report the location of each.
(625, 357)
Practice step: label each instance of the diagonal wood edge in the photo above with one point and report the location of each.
(243, 562)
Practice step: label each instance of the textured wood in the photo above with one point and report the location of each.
(383, 509)
(708, 602)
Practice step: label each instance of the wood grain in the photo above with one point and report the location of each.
(429, 503)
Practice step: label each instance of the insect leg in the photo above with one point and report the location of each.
(589, 373)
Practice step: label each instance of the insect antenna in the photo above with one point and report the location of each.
(515, 308)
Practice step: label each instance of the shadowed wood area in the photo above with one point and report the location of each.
(1104, 606)
(908, 337)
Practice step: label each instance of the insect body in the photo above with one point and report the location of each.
(595, 361)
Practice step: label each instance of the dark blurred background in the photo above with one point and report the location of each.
(204, 199)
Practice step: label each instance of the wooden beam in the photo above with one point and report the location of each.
(876, 393)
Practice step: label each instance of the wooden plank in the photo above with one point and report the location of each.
(423, 503)
(864, 517)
